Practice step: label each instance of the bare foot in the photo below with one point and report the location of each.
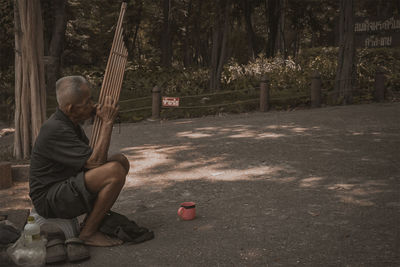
(99, 239)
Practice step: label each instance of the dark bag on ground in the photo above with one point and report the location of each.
(8, 234)
(119, 226)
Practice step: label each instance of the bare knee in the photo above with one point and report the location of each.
(122, 160)
(117, 172)
(110, 173)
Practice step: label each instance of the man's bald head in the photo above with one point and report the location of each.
(69, 90)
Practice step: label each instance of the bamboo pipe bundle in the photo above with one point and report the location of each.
(114, 73)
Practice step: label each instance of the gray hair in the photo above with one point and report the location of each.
(69, 90)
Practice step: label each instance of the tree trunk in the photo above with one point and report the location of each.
(224, 47)
(199, 55)
(219, 45)
(280, 34)
(166, 39)
(214, 56)
(30, 92)
(133, 34)
(187, 49)
(273, 9)
(345, 71)
(251, 36)
(56, 44)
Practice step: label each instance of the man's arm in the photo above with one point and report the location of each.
(107, 113)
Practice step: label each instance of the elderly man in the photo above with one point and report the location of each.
(69, 178)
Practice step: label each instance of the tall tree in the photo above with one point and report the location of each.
(134, 14)
(59, 25)
(248, 7)
(187, 48)
(345, 70)
(219, 42)
(30, 92)
(280, 44)
(273, 14)
(166, 35)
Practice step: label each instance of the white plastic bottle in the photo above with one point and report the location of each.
(30, 249)
(31, 233)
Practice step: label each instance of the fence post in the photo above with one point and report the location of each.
(264, 94)
(156, 105)
(315, 89)
(380, 85)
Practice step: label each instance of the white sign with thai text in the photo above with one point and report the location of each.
(170, 101)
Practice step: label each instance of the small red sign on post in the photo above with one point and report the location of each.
(170, 101)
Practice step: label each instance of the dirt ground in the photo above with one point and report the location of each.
(316, 187)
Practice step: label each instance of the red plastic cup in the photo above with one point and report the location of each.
(187, 211)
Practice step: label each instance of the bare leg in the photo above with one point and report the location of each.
(121, 159)
(107, 181)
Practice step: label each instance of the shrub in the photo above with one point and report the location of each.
(289, 81)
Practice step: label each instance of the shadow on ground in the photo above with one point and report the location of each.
(314, 188)
(309, 188)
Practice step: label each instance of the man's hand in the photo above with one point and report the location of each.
(108, 111)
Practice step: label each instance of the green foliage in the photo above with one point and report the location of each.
(369, 60)
(90, 31)
(289, 82)
(6, 34)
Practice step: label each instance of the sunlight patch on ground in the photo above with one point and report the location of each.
(191, 134)
(183, 122)
(341, 186)
(244, 134)
(162, 165)
(268, 135)
(145, 157)
(244, 131)
(310, 182)
(292, 128)
(348, 199)
(194, 170)
(299, 130)
(358, 194)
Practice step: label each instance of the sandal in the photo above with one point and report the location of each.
(55, 251)
(76, 249)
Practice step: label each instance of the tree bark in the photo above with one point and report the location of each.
(280, 33)
(30, 92)
(219, 44)
(135, 21)
(273, 9)
(251, 36)
(345, 71)
(224, 47)
(56, 44)
(166, 38)
(200, 56)
(187, 49)
(214, 56)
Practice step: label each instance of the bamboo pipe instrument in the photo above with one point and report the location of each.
(114, 73)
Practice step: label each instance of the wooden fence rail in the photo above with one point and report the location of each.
(315, 95)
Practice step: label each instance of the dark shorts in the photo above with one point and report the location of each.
(69, 199)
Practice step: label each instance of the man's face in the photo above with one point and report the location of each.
(85, 109)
